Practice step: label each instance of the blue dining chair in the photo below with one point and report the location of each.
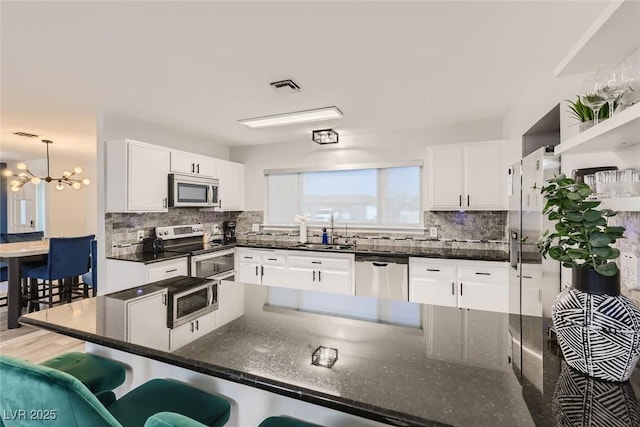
(68, 259)
(91, 278)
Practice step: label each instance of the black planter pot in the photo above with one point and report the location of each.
(588, 280)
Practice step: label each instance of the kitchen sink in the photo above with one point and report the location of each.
(326, 247)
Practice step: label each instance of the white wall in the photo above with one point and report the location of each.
(359, 148)
(117, 126)
(68, 212)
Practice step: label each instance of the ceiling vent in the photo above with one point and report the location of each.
(26, 134)
(285, 87)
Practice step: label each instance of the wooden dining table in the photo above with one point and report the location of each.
(15, 255)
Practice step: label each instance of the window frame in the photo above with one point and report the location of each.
(348, 167)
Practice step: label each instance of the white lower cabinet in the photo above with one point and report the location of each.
(480, 285)
(230, 302)
(321, 273)
(261, 266)
(146, 319)
(186, 333)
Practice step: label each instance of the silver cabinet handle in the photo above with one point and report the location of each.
(483, 274)
(527, 277)
(272, 259)
(164, 202)
(314, 275)
(460, 199)
(256, 270)
(262, 271)
(173, 270)
(197, 324)
(460, 288)
(453, 288)
(248, 257)
(191, 324)
(319, 276)
(468, 202)
(316, 262)
(198, 168)
(193, 167)
(433, 269)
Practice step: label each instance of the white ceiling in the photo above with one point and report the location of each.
(201, 66)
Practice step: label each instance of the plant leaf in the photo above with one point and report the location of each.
(608, 269)
(598, 239)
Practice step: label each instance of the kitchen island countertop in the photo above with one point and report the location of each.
(441, 366)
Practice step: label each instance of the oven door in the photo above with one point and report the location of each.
(193, 303)
(212, 263)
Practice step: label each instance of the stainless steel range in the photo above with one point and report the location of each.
(211, 259)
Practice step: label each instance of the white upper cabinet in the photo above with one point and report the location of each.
(193, 164)
(466, 176)
(231, 185)
(446, 177)
(136, 177)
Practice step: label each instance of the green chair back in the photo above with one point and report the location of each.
(34, 394)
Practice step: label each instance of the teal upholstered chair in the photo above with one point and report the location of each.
(97, 373)
(30, 390)
(285, 422)
(171, 419)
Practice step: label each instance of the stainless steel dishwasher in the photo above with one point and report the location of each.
(382, 276)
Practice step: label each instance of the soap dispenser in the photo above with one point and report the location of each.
(325, 237)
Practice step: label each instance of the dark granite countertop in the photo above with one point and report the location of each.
(434, 366)
(427, 252)
(148, 258)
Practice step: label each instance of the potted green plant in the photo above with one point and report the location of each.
(597, 328)
(584, 114)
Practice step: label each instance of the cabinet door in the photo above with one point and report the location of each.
(167, 269)
(206, 166)
(533, 176)
(274, 275)
(445, 173)
(485, 186)
(205, 323)
(183, 162)
(230, 302)
(231, 185)
(147, 321)
(338, 282)
(433, 291)
(483, 287)
(248, 271)
(432, 283)
(182, 335)
(302, 278)
(148, 171)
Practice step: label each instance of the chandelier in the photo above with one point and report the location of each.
(26, 176)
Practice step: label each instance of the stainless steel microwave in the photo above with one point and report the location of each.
(192, 191)
(189, 304)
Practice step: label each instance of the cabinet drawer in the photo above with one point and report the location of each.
(432, 271)
(483, 274)
(166, 270)
(270, 259)
(320, 263)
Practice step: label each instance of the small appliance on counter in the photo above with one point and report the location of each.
(153, 245)
(229, 232)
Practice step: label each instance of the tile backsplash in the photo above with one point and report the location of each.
(122, 228)
(467, 229)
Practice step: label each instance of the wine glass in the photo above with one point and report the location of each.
(594, 101)
(611, 87)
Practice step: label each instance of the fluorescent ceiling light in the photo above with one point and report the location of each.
(295, 117)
